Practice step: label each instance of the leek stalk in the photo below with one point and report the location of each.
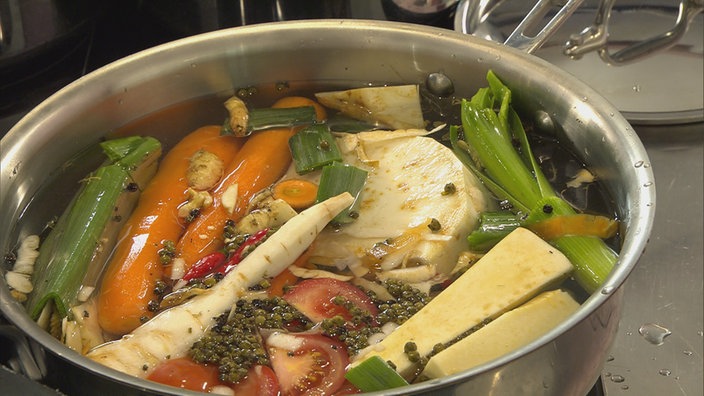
(514, 176)
(84, 234)
(338, 178)
(312, 148)
(267, 118)
(374, 374)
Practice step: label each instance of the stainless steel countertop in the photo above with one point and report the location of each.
(665, 288)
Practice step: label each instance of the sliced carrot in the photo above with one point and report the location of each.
(578, 224)
(130, 277)
(298, 193)
(263, 159)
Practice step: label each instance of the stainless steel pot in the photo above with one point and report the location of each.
(566, 361)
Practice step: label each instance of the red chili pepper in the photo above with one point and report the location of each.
(236, 257)
(205, 265)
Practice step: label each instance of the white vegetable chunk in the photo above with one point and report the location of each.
(506, 333)
(405, 189)
(172, 332)
(396, 107)
(512, 272)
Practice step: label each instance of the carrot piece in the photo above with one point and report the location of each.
(578, 224)
(263, 159)
(298, 193)
(128, 283)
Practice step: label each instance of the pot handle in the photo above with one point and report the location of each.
(595, 37)
(23, 360)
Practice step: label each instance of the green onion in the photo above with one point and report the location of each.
(374, 374)
(514, 176)
(338, 178)
(82, 239)
(312, 148)
(267, 118)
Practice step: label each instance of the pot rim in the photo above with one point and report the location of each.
(639, 226)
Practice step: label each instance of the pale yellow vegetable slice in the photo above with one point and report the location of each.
(396, 107)
(405, 189)
(506, 333)
(516, 269)
(171, 333)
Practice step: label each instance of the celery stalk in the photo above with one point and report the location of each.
(514, 176)
(84, 234)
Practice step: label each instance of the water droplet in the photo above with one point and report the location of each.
(638, 164)
(480, 60)
(193, 65)
(624, 387)
(653, 333)
(610, 358)
(688, 353)
(584, 99)
(647, 184)
(665, 372)
(636, 88)
(498, 57)
(649, 204)
(617, 378)
(607, 374)
(700, 333)
(611, 114)
(607, 290)
(629, 333)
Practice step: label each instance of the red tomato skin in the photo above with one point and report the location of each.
(260, 381)
(314, 298)
(187, 374)
(293, 368)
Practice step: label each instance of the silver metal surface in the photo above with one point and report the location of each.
(566, 361)
(662, 87)
(596, 36)
(664, 294)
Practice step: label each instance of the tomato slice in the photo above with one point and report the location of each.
(314, 298)
(260, 381)
(307, 364)
(187, 374)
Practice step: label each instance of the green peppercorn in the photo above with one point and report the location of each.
(449, 189)
(434, 225)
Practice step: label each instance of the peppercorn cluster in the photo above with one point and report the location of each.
(355, 333)
(234, 343)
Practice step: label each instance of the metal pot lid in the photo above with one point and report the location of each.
(648, 85)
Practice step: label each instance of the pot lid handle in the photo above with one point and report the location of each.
(595, 37)
(520, 39)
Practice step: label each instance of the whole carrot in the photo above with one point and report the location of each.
(134, 268)
(262, 160)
